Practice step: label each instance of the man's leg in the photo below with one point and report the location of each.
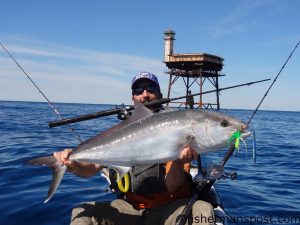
(106, 213)
(202, 213)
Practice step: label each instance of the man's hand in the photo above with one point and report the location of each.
(82, 169)
(63, 156)
(187, 155)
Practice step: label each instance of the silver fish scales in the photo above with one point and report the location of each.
(150, 138)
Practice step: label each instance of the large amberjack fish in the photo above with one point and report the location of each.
(146, 138)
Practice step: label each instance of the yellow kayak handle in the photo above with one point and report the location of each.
(123, 184)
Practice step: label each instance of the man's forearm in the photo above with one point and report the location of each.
(175, 177)
(83, 169)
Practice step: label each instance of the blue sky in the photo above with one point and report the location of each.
(88, 51)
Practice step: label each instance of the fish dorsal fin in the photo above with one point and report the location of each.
(140, 111)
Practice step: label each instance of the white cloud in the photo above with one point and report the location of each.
(67, 74)
(237, 20)
(71, 74)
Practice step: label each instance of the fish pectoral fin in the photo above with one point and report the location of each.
(58, 171)
(121, 170)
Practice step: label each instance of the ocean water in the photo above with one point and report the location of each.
(267, 192)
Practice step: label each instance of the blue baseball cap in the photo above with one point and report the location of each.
(145, 75)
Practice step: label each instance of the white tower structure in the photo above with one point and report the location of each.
(169, 41)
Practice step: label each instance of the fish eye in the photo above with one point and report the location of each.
(224, 123)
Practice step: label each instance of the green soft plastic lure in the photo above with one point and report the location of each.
(236, 136)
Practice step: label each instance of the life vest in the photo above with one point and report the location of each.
(147, 179)
(154, 200)
(147, 187)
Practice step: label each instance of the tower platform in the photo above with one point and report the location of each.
(194, 69)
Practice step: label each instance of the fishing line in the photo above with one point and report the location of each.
(265, 95)
(40, 91)
(236, 135)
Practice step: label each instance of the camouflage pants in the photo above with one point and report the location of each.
(119, 212)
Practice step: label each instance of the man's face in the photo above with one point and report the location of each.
(146, 91)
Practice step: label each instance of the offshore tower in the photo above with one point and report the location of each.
(194, 69)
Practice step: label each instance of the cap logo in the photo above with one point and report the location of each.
(144, 75)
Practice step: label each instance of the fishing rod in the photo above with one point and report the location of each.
(55, 110)
(124, 111)
(204, 185)
(275, 79)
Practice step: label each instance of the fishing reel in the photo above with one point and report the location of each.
(231, 175)
(214, 172)
(124, 113)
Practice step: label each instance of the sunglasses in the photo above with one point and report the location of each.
(140, 89)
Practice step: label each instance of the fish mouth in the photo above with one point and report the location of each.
(245, 133)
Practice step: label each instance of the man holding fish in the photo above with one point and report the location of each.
(158, 191)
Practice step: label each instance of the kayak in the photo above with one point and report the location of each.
(219, 212)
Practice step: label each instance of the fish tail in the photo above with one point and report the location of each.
(58, 171)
